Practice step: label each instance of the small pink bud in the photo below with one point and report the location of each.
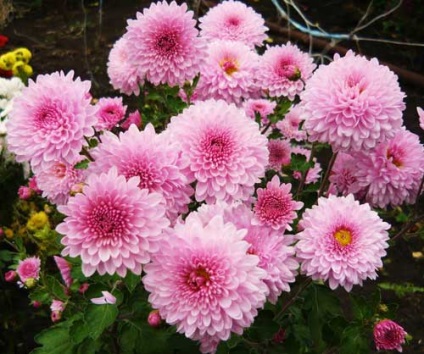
(133, 118)
(11, 276)
(24, 192)
(154, 319)
(83, 288)
(57, 307)
(56, 316)
(36, 304)
(279, 336)
(32, 183)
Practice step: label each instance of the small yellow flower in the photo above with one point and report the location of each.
(8, 233)
(20, 68)
(7, 61)
(22, 54)
(37, 221)
(30, 283)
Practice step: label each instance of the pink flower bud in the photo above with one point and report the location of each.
(36, 304)
(10, 276)
(32, 183)
(388, 335)
(133, 118)
(83, 288)
(279, 336)
(24, 192)
(57, 307)
(154, 319)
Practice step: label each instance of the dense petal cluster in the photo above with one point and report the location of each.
(203, 281)
(229, 73)
(392, 172)
(152, 158)
(259, 106)
(165, 45)
(113, 225)
(29, 268)
(235, 21)
(279, 153)
(50, 119)
(284, 70)
(109, 112)
(341, 241)
(343, 175)
(388, 335)
(289, 127)
(223, 150)
(352, 103)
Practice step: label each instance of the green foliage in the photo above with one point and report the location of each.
(402, 289)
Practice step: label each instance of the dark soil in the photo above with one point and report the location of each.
(76, 35)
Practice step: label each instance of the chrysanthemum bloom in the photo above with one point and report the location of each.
(388, 335)
(421, 117)
(279, 153)
(203, 281)
(165, 45)
(152, 158)
(122, 70)
(275, 206)
(233, 20)
(341, 241)
(29, 269)
(229, 73)
(50, 119)
(57, 307)
(113, 225)
(352, 103)
(223, 150)
(56, 180)
(259, 106)
(24, 192)
(109, 112)
(314, 173)
(289, 127)
(392, 172)
(65, 270)
(284, 70)
(343, 174)
(133, 118)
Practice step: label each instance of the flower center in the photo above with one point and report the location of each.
(288, 70)
(59, 170)
(394, 157)
(166, 43)
(146, 172)
(107, 222)
(233, 21)
(229, 65)
(48, 117)
(217, 148)
(343, 237)
(198, 278)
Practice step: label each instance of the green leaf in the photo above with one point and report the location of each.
(41, 295)
(354, 341)
(82, 165)
(131, 281)
(55, 288)
(99, 318)
(54, 341)
(79, 331)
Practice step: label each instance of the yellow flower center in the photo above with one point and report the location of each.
(229, 65)
(343, 237)
(395, 160)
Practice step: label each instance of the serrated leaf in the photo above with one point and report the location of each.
(40, 295)
(54, 341)
(79, 331)
(55, 288)
(99, 318)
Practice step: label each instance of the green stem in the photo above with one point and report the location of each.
(327, 174)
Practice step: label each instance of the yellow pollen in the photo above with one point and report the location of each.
(343, 237)
(229, 65)
(395, 161)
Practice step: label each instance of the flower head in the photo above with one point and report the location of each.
(50, 119)
(289, 127)
(343, 175)
(29, 268)
(388, 335)
(275, 206)
(235, 21)
(279, 153)
(223, 150)
(110, 112)
(204, 281)
(352, 103)
(165, 45)
(259, 106)
(113, 225)
(57, 307)
(341, 241)
(283, 70)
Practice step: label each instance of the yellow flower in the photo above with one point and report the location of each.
(9, 233)
(37, 221)
(22, 54)
(7, 61)
(20, 68)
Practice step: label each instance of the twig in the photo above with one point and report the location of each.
(404, 229)
(327, 174)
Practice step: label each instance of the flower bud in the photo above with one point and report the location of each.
(154, 319)
(30, 283)
(11, 276)
(83, 288)
(24, 193)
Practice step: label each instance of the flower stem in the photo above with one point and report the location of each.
(327, 174)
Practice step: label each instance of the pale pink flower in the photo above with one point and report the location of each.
(388, 335)
(229, 73)
(114, 226)
(122, 69)
(29, 268)
(279, 153)
(223, 150)
(57, 307)
(283, 70)
(65, 270)
(343, 175)
(56, 180)
(314, 173)
(421, 117)
(204, 281)
(133, 118)
(233, 20)
(152, 158)
(289, 127)
(392, 172)
(259, 106)
(352, 103)
(107, 298)
(275, 206)
(341, 241)
(109, 112)
(164, 44)
(50, 119)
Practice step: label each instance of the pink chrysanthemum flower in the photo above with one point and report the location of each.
(56, 180)
(29, 268)
(341, 241)
(279, 153)
(289, 127)
(110, 112)
(343, 175)
(421, 117)
(388, 335)
(133, 118)
(229, 73)
(57, 307)
(203, 281)
(152, 158)
(122, 70)
(65, 270)
(50, 119)
(235, 21)
(223, 150)
(113, 225)
(275, 206)
(259, 106)
(352, 103)
(284, 70)
(165, 45)
(314, 173)
(392, 172)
